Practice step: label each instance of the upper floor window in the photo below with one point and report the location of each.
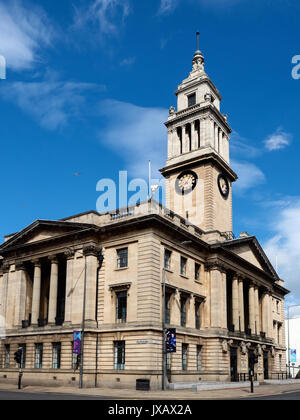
(197, 315)
(121, 307)
(119, 359)
(197, 271)
(192, 100)
(183, 311)
(56, 355)
(183, 264)
(38, 356)
(122, 258)
(167, 260)
(168, 308)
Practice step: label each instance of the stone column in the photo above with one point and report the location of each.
(175, 308)
(20, 294)
(216, 131)
(241, 305)
(257, 317)
(265, 316)
(69, 287)
(36, 294)
(270, 316)
(91, 265)
(235, 304)
(224, 300)
(184, 139)
(251, 309)
(191, 312)
(215, 298)
(53, 291)
(4, 288)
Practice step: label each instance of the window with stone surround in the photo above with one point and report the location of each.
(56, 355)
(199, 357)
(119, 355)
(167, 259)
(197, 271)
(191, 100)
(183, 264)
(7, 356)
(184, 356)
(121, 307)
(197, 315)
(38, 356)
(23, 363)
(183, 301)
(122, 258)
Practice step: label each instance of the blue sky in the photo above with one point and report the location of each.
(89, 84)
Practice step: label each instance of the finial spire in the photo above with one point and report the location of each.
(198, 60)
(198, 45)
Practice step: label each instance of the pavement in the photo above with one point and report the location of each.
(264, 390)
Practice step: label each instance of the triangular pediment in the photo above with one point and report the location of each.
(42, 230)
(250, 250)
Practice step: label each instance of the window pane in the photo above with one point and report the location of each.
(122, 306)
(7, 356)
(38, 355)
(183, 312)
(119, 355)
(197, 272)
(199, 359)
(184, 356)
(56, 355)
(183, 262)
(23, 364)
(167, 259)
(192, 100)
(122, 258)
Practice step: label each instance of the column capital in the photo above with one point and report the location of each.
(90, 250)
(20, 266)
(36, 262)
(215, 266)
(69, 253)
(5, 268)
(53, 259)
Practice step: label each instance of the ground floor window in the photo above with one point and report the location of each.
(56, 355)
(7, 356)
(184, 356)
(199, 357)
(38, 355)
(23, 362)
(119, 350)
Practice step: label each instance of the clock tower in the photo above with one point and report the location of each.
(198, 173)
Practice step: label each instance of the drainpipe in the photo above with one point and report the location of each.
(100, 260)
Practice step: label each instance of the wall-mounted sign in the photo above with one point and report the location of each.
(171, 340)
(293, 356)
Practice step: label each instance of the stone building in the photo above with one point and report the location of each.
(222, 294)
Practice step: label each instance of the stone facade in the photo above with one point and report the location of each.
(222, 294)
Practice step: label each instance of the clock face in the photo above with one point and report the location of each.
(186, 182)
(223, 185)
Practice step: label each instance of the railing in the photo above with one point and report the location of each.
(121, 214)
(280, 376)
(245, 377)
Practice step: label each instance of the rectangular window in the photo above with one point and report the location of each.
(7, 356)
(183, 263)
(197, 272)
(56, 355)
(192, 100)
(184, 356)
(119, 349)
(23, 364)
(183, 311)
(197, 315)
(122, 258)
(199, 357)
(121, 307)
(168, 259)
(168, 308)
(38, 356)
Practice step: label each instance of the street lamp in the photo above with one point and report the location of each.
(289, 350)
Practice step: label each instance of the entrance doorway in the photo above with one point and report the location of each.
(233, 365)
(266, 365)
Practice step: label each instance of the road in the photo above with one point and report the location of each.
(15, 395)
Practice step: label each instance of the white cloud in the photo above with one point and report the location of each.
(23, 34)
(105, 13)
(249, 176)
(278, 140)
(127, 62)
(51, 102)
(167, 6)
(137, 134)
(284, 246)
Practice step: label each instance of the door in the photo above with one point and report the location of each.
(266, 365)
(233, 365)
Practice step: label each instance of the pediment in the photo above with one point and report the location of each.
(250, 250)
(40, 231)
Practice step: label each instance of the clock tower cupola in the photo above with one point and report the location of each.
(198, 173)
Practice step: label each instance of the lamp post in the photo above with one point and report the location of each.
(289, 350)
(164, 381)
